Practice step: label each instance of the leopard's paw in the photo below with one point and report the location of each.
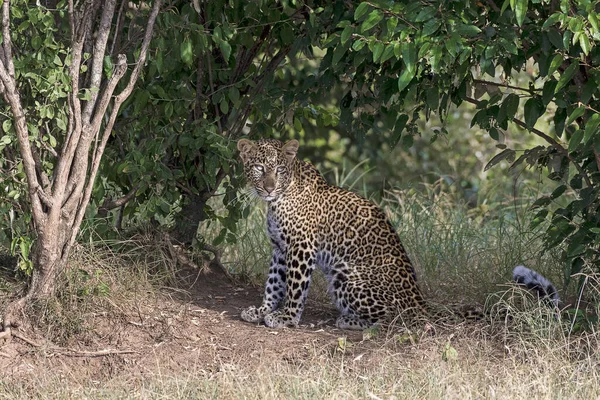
(253, 314)
(280, 319)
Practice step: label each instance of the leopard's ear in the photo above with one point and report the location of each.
(246, 148)
(290, 149)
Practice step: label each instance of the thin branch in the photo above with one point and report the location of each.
(14, 100)
(6, 41)
(100, 353)
(120, 98)
(79, 169)
(493, 5)
(108, 11)
(504, 85)
(548, 139)
(108, 204)
(212, 89)
(75, 127)
(118, 29)
(240, 121)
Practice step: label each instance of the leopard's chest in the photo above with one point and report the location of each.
(288, 225)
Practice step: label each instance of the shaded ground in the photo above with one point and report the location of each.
(197, 329)
(189, 342)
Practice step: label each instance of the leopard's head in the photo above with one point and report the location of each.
(268, 165)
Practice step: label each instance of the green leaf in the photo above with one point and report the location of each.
(556, 38)
(60, 123)
(467, 30)
(405, 77)
(373, 19)
(361, 10)
(224, 106)
(398, 128)
(432, 98)
(186, 52)
(533, 110)
(425, 14)
(358, 44)
(338, 53)
(409, 56)
(377, 50)
(7, 125)
(575, 140)
(555, 63)
(234, 94)
(512, 105)
(520, 10)
(567, 75)
(558, 191)
(584, 43)
(346, 33)
(578, 112)
(225, 49)
(553, 19)
(591, 127)
(548, 91)
(494, 134)
(287, 35)
(391, 25)
(593, 18)
(141, 99)
(387, 53)
(506, 154)
(430, 27)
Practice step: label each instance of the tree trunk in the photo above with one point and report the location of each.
(186, 225)
(49, 256)
(59, 197)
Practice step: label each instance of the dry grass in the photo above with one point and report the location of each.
(188, 342)
(372, 369)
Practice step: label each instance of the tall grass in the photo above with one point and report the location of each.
(461, 252)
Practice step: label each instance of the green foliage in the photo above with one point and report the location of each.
(208, 77)
(21, 247)
(368, 72)
(41, 68)
(456, 52)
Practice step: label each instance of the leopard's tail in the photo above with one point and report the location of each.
(536, 283)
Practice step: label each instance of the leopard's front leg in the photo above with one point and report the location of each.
(274, 290)
(300, 262)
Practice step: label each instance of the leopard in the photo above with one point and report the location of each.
(312, 224)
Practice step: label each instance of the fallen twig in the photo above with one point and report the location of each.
(25, 339)
(99, 353)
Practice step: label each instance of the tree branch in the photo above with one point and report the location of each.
(119, 29)
(548, 139)
(109, 204)
(108, 11)
(75, 128)
(504, 85)
(6, 41)
(120, 98)
(11, 94)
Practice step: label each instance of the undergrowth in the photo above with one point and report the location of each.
(460, 252)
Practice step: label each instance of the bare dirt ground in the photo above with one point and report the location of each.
(178, 330)
(189, 342)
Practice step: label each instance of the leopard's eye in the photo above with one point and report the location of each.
(280, 170)
(259, 168)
